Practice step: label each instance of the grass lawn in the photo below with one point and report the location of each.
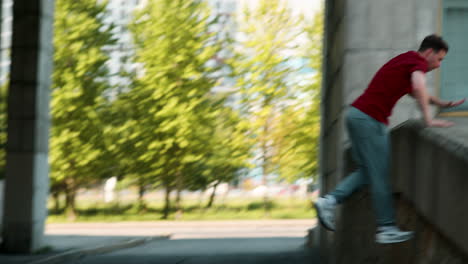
(235, 209)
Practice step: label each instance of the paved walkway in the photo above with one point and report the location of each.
(277, 250)
(172, 242)
(189, 229)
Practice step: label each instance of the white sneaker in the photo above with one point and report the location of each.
(325, 208)
(392, 234)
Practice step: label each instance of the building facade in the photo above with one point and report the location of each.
(361, 35)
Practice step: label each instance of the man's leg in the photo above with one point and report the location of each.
(373, 149)
(325, 206)
(349, 185)
(355, 124)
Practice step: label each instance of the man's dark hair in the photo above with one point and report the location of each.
(434, 42)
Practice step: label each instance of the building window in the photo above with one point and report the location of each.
(454, 68)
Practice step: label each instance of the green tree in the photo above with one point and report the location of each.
(127, 142)
(171, 108)
(297, 132)
(230, 149)
(78, 154)
(296, 141)
(263, 72)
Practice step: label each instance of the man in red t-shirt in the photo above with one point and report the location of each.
(366, 122)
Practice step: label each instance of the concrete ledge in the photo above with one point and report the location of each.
(453, 139)
(430, 179)
(430, 171)
(355, 238)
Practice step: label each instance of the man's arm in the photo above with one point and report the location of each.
(418, 80)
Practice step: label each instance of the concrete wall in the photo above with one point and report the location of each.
(360, 36)
(430, 171)
(430, 183)
(332, 102)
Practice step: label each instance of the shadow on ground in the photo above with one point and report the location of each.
(276, 250)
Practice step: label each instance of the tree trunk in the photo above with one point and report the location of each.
(266, 163)
(167, 204)
(70, 200)
(141, 194)
(265, 145)
(212, 196)
(178, 199)
(56, 197)
(70, 187)
(179, 187)
(264, 180)
(179, 212)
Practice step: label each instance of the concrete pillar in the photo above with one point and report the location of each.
(27, 170)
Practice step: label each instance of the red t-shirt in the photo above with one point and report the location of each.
(389, 84)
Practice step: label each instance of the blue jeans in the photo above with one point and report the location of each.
(370, 148)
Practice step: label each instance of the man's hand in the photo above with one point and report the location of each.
(453, 103)
(445, 104)
(440, 123)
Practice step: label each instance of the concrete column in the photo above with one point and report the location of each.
(27, 170)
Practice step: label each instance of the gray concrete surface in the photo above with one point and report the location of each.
(27, 167)
(191, 241)
(68, 248)
(430, 180)
(271, 250)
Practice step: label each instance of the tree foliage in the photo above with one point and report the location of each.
(169, 128)
(275, 95)
(298, 129)
(229, 149)
(77, 154)
(169, 113)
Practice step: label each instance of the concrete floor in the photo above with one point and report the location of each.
(279, 250)
(271, 241)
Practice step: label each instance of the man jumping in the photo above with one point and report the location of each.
(366, 123)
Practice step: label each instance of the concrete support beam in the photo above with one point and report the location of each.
(27, 170)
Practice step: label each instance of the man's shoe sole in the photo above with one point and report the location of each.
(380, 241)
(321, 220)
